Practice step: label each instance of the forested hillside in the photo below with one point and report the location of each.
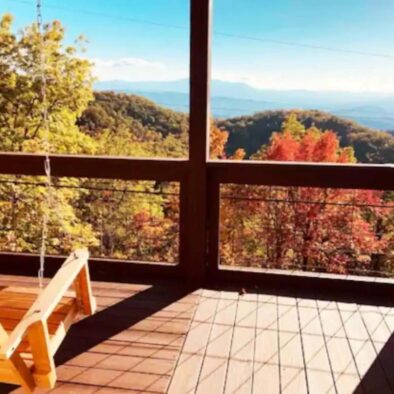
(147, 121)
(251, 132)
(111, 110)
(134, 126)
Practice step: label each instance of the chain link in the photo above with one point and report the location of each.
(47, 164)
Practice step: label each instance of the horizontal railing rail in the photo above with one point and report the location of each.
(103, 167)
(354, 176)
(105, 269)
(331, 175)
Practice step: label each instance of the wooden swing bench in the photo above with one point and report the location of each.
(32, 326)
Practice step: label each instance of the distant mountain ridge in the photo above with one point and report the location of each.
(229, 99)
(140, 117)
(251, 132)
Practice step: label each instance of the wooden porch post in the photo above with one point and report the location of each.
(196, 204)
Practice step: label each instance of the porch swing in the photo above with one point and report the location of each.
(33, 323)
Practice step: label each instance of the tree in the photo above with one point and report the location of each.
(133, 220)
(293, 126)
(251, 132)
(107, 216)
(69, 89)
(217, 144)
(317, 229)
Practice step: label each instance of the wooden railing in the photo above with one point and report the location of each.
(215, 173)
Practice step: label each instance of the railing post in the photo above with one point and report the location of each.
(200, 46)
(213, 225)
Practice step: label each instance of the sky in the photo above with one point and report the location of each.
(345, 45)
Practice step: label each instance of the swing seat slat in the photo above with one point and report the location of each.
(33, 324)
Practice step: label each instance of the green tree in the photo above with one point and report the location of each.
(68, 92)
(293, 126)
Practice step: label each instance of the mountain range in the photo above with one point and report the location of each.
(229, 99)
(144, 126)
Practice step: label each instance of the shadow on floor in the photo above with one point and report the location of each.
(380, 373)
(113, 320)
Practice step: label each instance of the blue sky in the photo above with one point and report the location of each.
(265, 52)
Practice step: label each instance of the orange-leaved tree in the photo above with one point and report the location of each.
(318, 229)
(217, 144)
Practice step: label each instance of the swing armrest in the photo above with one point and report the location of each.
(74, 270)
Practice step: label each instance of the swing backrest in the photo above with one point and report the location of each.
(35, 329)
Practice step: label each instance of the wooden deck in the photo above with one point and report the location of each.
(157, 339)
(258, 343)
(129, 346)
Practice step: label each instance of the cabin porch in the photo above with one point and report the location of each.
(162, 337)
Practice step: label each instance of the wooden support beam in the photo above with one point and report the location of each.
(44, 367)
(24, 376)
(213, 227)
(83, 290)
(200, 48)
(183, 228)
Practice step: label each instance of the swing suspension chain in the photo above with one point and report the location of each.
(46, 145)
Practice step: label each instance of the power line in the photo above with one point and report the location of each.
(90, 188)
(104, 15)
(218, 33)
(229, 197)
(306, 202)
(307, 46)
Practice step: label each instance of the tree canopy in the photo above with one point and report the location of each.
(251, 132)
(314, 229)
(68, 90)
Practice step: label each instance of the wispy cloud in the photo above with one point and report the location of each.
(127, 62)
(128, 69)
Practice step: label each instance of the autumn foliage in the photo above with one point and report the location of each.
(217, 145)
(326, 230)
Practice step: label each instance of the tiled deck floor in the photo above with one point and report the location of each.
(223, 342)
(257, 343)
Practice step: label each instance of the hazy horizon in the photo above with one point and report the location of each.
(386, 93)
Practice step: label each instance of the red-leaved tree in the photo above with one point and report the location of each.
(326, 230)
